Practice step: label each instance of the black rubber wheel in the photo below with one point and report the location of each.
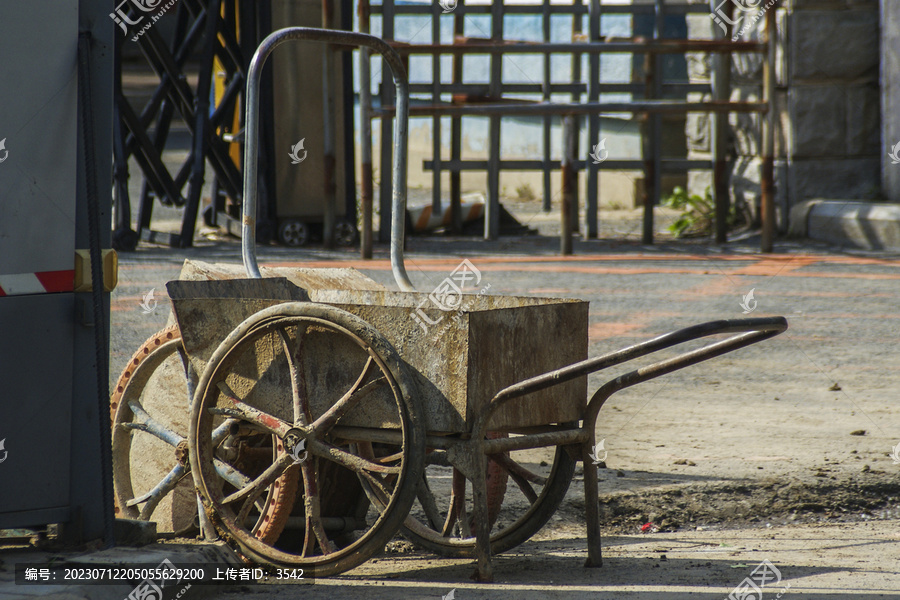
(328, 385)
(125, 240)
(294, 233)
(209, 216)
(345, 234)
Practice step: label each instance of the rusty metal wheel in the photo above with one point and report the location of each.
(516, 512)
(328, 385)
(150, 412)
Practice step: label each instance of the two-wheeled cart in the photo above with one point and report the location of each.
(326, 414)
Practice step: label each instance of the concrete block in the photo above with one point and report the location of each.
(834, 178)
(849, 223)
(832, 44)
(818, 114)
(863, 120)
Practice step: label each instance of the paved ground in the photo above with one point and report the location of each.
(777, 452)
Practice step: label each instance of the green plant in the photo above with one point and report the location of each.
(525, 192)
(698, 213)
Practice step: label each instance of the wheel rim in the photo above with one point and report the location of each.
(345, 234)
(294, 233)
(527, 504)
(361, 380)
(150, 415)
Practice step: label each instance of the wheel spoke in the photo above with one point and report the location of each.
(190, 376)
(242, 410)
(457, 503)
(348, 460)
(522, 476)
(300, 398)
(347, 401)
(222, 431)
(511, 466)
(155, 496)
(150, 425)
(429, 505)
(230, 474)
(251, 501)
(265, 479)
(313, 511)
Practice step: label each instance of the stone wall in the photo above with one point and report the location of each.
(828, 133)
(890, 98)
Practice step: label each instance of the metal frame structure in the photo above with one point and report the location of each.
(204, 29)
(649, 109)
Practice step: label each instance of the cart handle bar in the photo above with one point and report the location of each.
(251, 145)
(750, 331)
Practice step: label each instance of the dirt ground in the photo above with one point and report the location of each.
(780, 451)
(815, 561)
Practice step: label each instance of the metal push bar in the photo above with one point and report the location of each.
(472, 454)
(251, 145)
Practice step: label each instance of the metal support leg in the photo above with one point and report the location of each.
(485, 569)
(591, 504)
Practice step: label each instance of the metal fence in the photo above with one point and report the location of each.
(497, 99)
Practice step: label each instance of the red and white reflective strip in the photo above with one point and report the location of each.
(46, 282)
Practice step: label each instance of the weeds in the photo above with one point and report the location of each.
(698, 216)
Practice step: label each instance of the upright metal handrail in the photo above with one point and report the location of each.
(251, 144)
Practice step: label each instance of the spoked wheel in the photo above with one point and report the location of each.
(516, 510)
(150, 412)
(328, 385)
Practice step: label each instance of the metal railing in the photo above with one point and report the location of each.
(469, 100)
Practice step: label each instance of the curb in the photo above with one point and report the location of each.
(867, 225)
(210, 555)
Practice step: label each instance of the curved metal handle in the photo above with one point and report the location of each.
(748, 331)
(251, 146)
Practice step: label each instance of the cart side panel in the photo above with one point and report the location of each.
(207, 311)
(437, 365)
(510, 345)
